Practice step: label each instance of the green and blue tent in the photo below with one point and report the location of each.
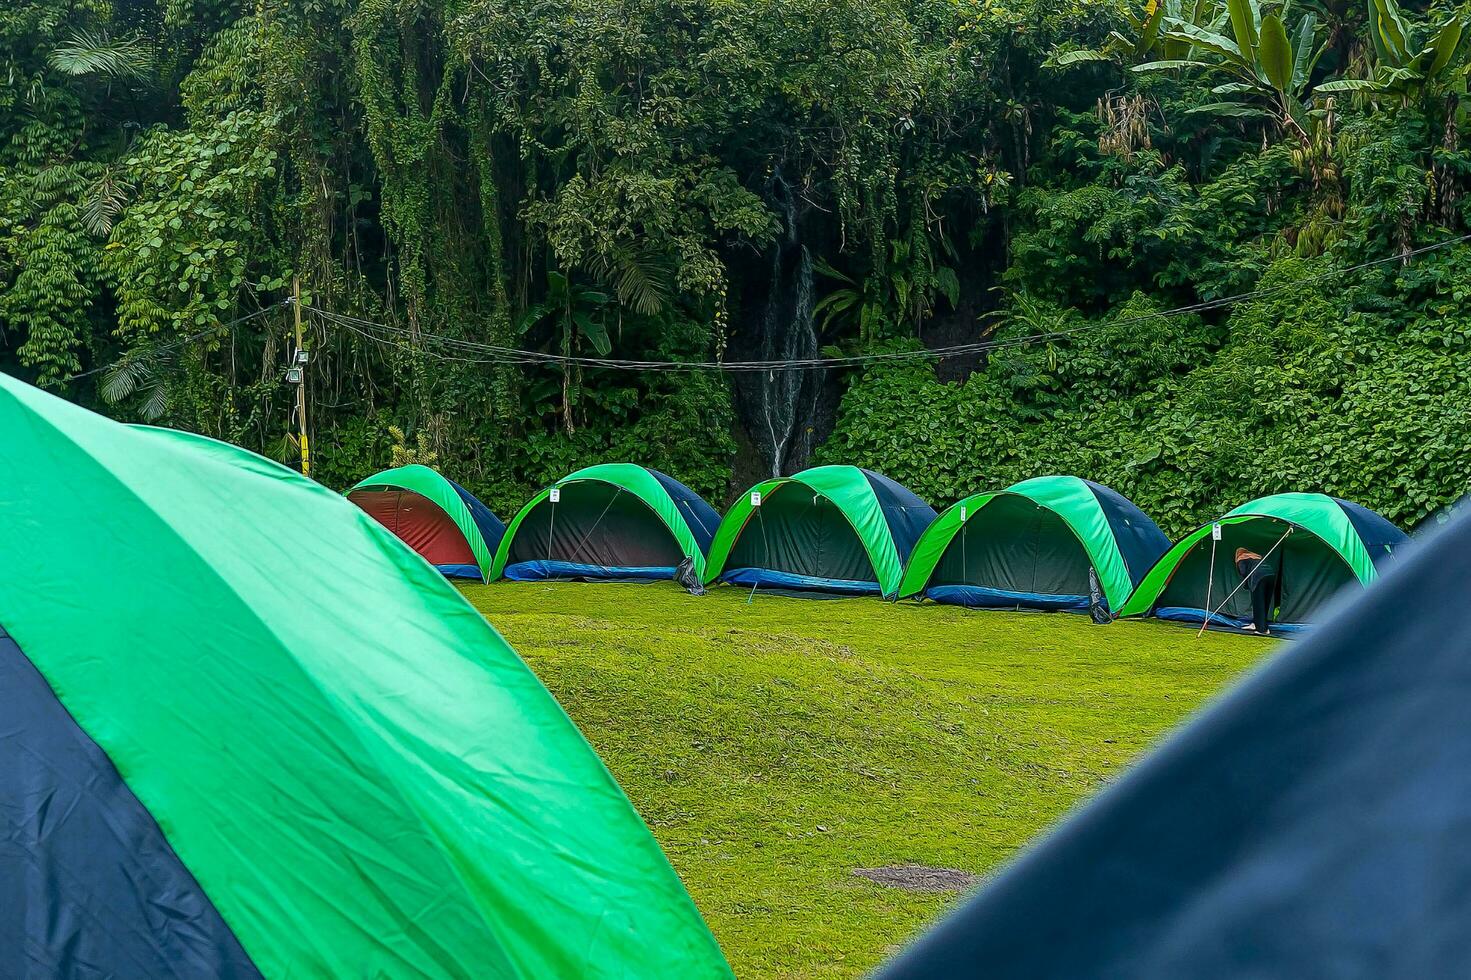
(1039, 544)
(615, 521)
(1318, 546)
(216, 761)
(435, 516)
(829, 529)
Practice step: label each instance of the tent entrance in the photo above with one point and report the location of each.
(422, 525)
(800, 540)
(596, 530)
(1012, 553)
(1309, 574)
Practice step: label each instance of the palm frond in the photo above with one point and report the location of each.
(156, 403)
(104, 201)
(284, 449)
(823, 268)
(123, 378)
(86, 53)
(641, 279)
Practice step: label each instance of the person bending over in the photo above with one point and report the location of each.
(1261, 580)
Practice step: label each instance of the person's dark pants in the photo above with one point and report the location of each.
(1261, 601)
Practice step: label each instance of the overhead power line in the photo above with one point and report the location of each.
(474, 352)
(471, 352)
(182, 341)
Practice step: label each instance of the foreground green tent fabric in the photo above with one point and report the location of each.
(217, 761)
(610, 521)
(435, 516)
(1317, 544)
(1033, 545)
(829, 529)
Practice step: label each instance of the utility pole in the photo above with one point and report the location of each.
(299, 362)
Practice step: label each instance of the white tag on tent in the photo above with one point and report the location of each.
(755, 498)
(962, 513)
(555, 496)
(1215, 532)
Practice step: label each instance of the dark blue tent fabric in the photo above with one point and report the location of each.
(492, 528)
(460, 571)
(1191, 614)
(1312, 823)
(906, 514)
(1381, 538)
(980, 597)
(89, 887)
(1140, 540)
(700, 516)
(771, 579)
(541, 571)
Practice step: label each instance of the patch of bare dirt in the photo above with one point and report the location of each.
(920, 878)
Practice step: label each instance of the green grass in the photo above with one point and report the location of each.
(775, 746)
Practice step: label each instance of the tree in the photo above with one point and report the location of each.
(1408, 64)
(1149, 34)
(1271, 73)
(577, 312)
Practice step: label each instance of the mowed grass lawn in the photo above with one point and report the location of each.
(775, 746)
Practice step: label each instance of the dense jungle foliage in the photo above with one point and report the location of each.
(765, 179)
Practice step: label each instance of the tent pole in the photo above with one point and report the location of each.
(766, 547)
(1210, 584)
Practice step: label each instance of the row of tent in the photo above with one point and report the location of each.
(1053, 543)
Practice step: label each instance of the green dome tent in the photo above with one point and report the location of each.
(1317, 544)
(612, 521)
(435, 516)
(1034, 545)
(218, 762)
(833, 529)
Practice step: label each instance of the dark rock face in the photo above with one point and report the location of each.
(782, 411)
